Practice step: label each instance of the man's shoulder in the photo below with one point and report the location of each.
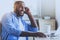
(6, 15)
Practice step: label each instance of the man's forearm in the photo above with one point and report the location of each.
(33, 22)
(30, 34)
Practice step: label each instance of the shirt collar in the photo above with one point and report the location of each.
(16, 15)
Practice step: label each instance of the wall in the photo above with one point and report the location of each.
(58, 11)
(48, 8)
(5, 7)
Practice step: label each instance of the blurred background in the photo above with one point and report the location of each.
(45, 12)
(39, 8)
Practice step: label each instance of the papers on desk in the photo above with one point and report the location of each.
(49, 38)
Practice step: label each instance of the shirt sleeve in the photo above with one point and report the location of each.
(9, 26)
(31, 28)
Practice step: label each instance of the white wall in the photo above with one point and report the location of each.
(5, 7)
(48, 8)
(58, 11)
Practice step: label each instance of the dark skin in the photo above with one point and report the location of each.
(20, 9)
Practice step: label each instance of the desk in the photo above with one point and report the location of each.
(49, 38)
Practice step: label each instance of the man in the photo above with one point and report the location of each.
(14, 27)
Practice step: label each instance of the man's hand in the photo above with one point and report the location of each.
(27, 11)
(33, 22)
(40, 34)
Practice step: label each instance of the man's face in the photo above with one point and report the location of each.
(20, 8)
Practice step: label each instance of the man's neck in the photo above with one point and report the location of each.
(17, 14)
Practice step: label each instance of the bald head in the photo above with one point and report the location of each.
(18, 2)
(19, 7)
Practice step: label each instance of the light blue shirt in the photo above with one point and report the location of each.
(11, 27)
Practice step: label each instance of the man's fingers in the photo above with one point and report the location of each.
(41, 34)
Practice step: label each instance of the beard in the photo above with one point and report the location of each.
(21, 13)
